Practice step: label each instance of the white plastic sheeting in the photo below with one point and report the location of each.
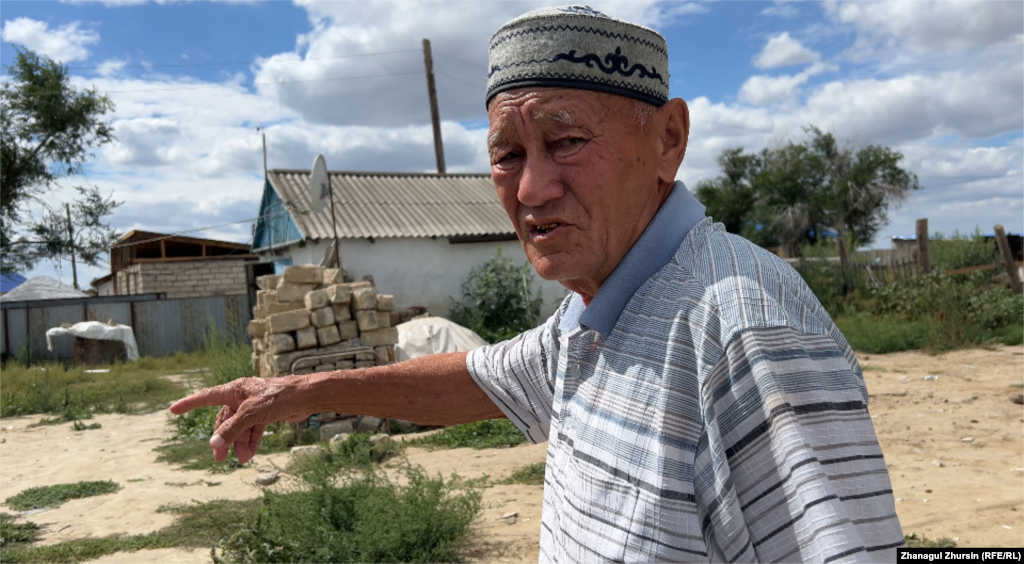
(432, 335)
(100, 332)
(42, 288)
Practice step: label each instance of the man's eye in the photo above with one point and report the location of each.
(508, 157)
(570, 142)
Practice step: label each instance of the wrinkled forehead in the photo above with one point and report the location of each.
(567, 106)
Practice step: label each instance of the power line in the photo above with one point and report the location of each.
(463, 62)
(179, 233)
(459, 80)
(184, 65)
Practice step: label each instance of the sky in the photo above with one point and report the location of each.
(940, 82)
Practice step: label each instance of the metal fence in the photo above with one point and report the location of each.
(161, 326)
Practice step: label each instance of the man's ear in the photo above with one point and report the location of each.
(673, 136)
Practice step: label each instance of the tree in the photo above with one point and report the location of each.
(48, 129)
(75, 231)
(799, 190)
(498, 300)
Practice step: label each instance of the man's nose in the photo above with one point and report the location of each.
(540, 181)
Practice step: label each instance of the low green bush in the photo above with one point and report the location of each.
(53, 496)
(914, 541)
(357, 517)
(497, 300)
(492, 433)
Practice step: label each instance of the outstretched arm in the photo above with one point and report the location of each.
(435, 390)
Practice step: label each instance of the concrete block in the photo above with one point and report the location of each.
(385, 302)
(383, 355)
(303, 274)
(305, 338)
(364, 298)
(341, 312)
(282, 363)
(289, 321)
(322, 317)
(332, 276)
(367, 320)
(383, 319)
(257, 328)
(344, 365)
(365, 364)
(338, 293)
(348, 330)
(329, 430)
(316, 300)
(328, 335)
(273, 308)
(354, 285)
(264, 297)
(368, 424)
(388, 336)
(324, 368)
(293, 292)
(365, 356)
(281, 343)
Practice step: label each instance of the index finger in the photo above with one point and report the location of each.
(216, 396)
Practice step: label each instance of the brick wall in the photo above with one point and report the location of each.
(184, 279)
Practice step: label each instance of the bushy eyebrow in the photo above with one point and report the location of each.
(504, 135)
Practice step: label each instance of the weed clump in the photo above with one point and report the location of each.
(492, 433)
(12, 532)
(914, 541)
(53, 496)
(532, 475)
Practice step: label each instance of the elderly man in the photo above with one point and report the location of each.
(699, 403)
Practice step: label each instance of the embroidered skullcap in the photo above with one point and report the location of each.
(578, 47)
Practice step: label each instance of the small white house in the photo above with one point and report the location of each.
(417, 234)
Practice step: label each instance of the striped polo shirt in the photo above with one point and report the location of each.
(702, 408)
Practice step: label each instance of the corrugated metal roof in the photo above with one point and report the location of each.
(383, 204)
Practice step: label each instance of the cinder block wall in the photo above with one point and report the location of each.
(184, 279)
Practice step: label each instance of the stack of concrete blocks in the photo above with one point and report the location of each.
(308, 320)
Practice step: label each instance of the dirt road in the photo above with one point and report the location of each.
(957, 435)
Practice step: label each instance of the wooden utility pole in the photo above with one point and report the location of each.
(922, 246)
(71, 238)
(435, 116)
(1007, 254)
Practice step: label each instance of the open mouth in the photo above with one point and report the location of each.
(544, 229)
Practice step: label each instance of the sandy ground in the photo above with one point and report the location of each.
(976, 495)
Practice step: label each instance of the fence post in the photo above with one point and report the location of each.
(1004, 250)
(922, 246)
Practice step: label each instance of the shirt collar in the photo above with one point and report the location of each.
(652, 251)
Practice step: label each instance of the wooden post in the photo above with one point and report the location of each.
(163, 249)
(435, 116)
(844, 260)
(1007, 254)
(922, 246)
(71, 239)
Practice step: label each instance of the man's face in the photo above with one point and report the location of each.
(578, 177)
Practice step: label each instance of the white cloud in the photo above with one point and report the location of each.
(781, 9)
(763, 90)
(319, 86)
(110, 67)
(782, 50)
(930, 26)
(66, 43)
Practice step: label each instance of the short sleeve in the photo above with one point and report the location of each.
(788, 467)
(518, 376)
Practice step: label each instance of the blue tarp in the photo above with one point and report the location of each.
(9, 282)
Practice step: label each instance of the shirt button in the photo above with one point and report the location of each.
(576, 371)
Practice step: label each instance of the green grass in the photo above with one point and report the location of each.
(53, 496)
(493, 433)
(196, 525)
(914, 541)
(871, 334)
(196, 455)
(532, 475)
(79, 426)
(12, 532)
(53, 388)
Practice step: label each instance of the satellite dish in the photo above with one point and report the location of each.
(319, 184)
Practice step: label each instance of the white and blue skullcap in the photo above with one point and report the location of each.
(578, 47)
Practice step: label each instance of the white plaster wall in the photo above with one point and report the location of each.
(424, 271)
